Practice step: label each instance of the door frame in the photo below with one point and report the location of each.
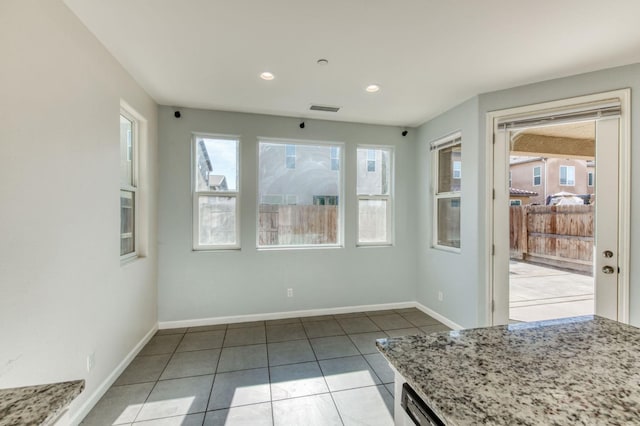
(624, 187)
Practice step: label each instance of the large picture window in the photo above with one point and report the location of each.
(300, 194)
(215, 193)
(374, 188)
(447, 177)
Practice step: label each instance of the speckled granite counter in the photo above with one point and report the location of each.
(37, 405)
(577, 371)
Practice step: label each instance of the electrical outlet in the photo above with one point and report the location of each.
(440, 296)
(289, 292)
(91, 361)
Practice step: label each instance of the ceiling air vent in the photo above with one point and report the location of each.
(324, 108)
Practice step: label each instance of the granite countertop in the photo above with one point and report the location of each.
(37, 405)
(575, 371)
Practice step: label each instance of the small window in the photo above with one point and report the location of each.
(290, 154)
(446, 158)
(537, 176)
(567, 175)
(590, 178)
(308, 194)
(371, 160)
(515, 202)
(216, 193)
(510, 179)
(128, 184)
(335, 158)
(374, 196)
(457, 169)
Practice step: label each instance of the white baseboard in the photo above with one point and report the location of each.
(282, 315)
(446, 321)
(81, 413)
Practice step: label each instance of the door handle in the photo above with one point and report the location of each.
(608, 254)
(608, 269)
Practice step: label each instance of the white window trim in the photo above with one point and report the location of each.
(534, 176)
(444, 142)
(136, 129)
(196, 195)
(568, 182)
(389, 198)
(341, 196)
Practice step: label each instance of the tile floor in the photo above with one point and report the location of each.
(321, 370)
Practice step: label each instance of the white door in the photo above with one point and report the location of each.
(608, 249)
(605, 252)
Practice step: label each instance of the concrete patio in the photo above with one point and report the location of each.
(540, 293)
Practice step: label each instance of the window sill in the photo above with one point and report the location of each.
(215, 249)
(289, 248)
(130, 258)
(455, 250)
(375, 245)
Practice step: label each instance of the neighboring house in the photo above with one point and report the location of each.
(548, 176)
(519, 197)
(310, 174)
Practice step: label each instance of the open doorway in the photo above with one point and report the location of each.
(559, 232)
(552, 173)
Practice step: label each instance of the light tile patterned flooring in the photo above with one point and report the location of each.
(321, 370)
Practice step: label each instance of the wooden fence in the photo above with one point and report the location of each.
(293, 225)
(560, 236)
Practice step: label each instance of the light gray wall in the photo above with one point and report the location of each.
(464, 274)
(454, 274)
(63, 291)
(194, 285)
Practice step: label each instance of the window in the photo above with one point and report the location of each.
(374, 196)
(567, 175)
(215, 193)
(515, 202)
(446, 153)
(335, 158)
(457, 169)
(537, 176)
(315, 218)
(510, 179)
(290, 155)
(128, 184)
(589, 178)
(371, 160)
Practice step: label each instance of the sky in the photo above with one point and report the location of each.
(224, 160)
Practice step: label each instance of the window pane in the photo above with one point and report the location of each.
(216, 165)
(127, 222)
(448, 222)
(126, 151)
(372, 221)
(313, 185)
(447, 179)
(217, 221)
(373, 180)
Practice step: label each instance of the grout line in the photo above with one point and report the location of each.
(266, 345)
(156, 381)
(215, 371)
(322, 372)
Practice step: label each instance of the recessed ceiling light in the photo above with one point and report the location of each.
(372, 88)
(267, 76)
(322, 61)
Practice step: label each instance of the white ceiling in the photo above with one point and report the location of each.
(427, 55)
